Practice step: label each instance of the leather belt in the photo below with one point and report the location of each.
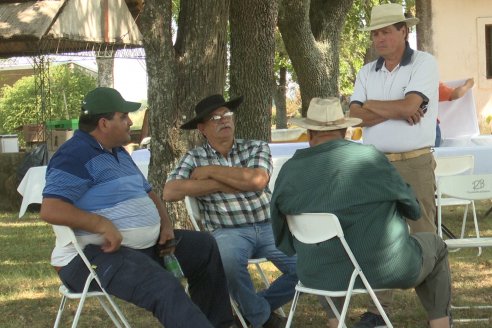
(394, 157)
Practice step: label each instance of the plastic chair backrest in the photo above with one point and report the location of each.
(472, 187)
(193, 211)
(453, 165)
(65, 236)
(312, 228)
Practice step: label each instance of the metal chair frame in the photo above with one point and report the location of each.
(313, 228)
(65, 236)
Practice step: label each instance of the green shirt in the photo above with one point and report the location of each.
(358, 184)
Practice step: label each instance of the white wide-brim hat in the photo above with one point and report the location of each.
(386, 15)
(325, 114)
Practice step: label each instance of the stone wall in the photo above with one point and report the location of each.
(10, 199)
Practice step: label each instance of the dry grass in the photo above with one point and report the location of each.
(29, 286)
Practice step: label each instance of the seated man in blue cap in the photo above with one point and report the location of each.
(229, 177)
(94, 187)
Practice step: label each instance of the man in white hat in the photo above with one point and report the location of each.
(396, 96)
(358, 184)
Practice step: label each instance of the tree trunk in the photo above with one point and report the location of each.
(280, 101)
(423, 10)
(105, 71)
(180, 75)
(252, 62)
(311, 32)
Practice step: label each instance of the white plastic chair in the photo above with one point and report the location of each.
(449, 166)
(313, 228)
(471, 187)
(65, 236)
(195, 217)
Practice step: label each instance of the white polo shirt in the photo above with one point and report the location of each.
(417, 73)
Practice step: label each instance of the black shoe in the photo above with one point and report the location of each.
(370, 320)
(275, 321)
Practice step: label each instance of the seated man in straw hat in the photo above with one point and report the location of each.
(359, 185)
(229, 177)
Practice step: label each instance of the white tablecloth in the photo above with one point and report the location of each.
(32, 185)
(482, 154)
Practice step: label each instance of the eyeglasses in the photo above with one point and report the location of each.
(217, 118)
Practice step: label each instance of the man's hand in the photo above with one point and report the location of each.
(416, 117)
(112, 236)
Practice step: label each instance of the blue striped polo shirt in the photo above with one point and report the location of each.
(109, 184)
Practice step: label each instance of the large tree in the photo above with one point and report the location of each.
(180, 74)
(311, 32)
(252, 63)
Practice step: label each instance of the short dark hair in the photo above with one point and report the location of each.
(401, 25)
(88, 122)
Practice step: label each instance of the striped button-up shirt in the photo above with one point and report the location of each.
(226, 210)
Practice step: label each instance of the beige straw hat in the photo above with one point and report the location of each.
(386, 15)
(324, 115)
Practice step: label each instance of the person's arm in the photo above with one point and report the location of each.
(408, 108)
(167, 229)
(178, 189)
(368, 118)
(240, 178)
(59, 212)
(462, 89)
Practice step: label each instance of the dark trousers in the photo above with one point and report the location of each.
(138, 276)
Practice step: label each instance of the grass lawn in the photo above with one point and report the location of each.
(29, 286)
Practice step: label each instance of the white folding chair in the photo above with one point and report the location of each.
(65, 236)
(471, 187)
(195, 217)
(313, 228)
(449, 166)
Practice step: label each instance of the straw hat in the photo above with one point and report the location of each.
(386, 15)
(324, 115)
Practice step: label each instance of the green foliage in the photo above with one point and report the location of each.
(22, 104)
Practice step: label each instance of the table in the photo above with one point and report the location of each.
(32, 185)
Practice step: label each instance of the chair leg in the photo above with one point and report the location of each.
(292, 309)
(60, 311)
(267, 284)
(116, 309)
(477, 230)
(108, 311)
(79, 311)
(236, 310)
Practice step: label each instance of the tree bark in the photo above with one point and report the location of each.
(180, 75)
(252, 63)
(311, 32)
(423, 10)
(280, 101)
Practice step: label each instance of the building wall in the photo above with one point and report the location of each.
(459, 46)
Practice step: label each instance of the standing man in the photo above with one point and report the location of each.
(94, 187)
(396, 96)
(229, 177)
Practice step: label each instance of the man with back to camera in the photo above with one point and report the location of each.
(359, 185)
(396, 96)
(94, 187)
(229, 177)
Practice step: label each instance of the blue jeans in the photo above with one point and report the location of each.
(236, 246)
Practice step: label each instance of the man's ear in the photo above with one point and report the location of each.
(201, 128)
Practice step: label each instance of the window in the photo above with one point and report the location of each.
(488, 50)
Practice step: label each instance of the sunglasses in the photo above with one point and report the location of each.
(217, 118)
